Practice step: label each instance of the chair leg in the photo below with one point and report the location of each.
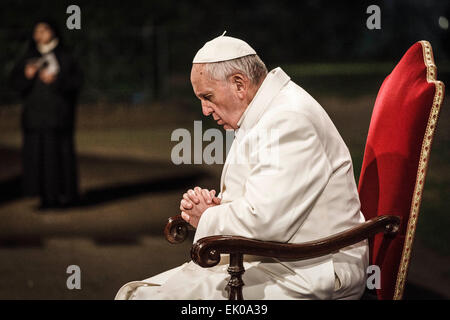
(235, 269)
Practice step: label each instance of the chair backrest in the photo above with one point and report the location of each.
(396, 158)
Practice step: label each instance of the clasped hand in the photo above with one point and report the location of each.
(195, 202)
(45, 76)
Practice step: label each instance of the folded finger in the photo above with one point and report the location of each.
(186, 204)
(193, 197)
(198, 191)
(206, 196)
(185, 216)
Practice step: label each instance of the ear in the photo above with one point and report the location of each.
(240, 83)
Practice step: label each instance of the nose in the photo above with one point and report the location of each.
(206, 109)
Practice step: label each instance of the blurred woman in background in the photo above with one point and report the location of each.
(49, 80)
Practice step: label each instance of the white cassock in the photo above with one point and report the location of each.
(288, 177)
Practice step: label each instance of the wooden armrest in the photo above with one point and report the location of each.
(176, 230)
(206, 251)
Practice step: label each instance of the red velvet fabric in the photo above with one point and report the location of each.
(391, 158)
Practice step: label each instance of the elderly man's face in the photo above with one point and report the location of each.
(224, 100)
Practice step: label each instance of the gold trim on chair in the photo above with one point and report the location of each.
(422, 168)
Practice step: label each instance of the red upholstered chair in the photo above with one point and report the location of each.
(391, 184)
(396, 156)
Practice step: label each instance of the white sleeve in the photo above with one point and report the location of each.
(278, 196)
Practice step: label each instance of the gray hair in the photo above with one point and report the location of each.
(251, 66)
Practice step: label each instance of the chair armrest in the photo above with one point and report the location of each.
(177, 230)
(206, 251)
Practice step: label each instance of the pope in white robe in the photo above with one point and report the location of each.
(288, 177)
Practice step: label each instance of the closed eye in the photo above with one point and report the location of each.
(207, 97)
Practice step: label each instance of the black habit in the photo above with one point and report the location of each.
(48, 158)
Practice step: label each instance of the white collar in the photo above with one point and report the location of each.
(271, 86)
(46, 48)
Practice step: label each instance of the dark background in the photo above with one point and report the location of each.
(136, 57)
(143, 43)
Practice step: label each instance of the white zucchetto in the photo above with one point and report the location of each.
(223, 48)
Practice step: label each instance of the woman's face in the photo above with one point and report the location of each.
(42, 34)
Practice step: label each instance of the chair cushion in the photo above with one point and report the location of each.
(396, 156)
